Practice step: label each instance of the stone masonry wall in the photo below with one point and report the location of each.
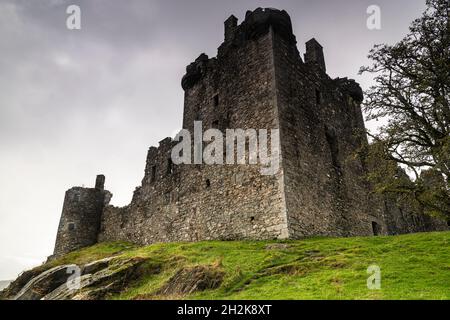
(81, 217)
(200, 202)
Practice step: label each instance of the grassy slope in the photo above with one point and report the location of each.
(413, 267)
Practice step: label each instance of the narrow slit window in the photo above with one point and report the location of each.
(318, 97)
(153, 173)
(216, 100)
(169, 166)
(334, 147)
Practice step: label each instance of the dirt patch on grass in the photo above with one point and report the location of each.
(289, 269)
(278, 246)
(338, 264)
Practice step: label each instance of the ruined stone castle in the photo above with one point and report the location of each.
(258, 80)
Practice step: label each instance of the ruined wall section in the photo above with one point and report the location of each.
(199, 202)
(321, 127)
(403, 214)
(402, 218)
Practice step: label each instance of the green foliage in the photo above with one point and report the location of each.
(86, 255)
(412, 93)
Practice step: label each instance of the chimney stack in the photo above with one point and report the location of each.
(100, 182)
(314, 54)
(230, 28)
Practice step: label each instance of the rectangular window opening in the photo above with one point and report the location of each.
(375, 228)
(318, 97)
(153, 177)
(169, 166)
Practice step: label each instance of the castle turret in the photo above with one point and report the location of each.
(81, 217)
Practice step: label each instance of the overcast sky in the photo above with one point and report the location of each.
(77, 103)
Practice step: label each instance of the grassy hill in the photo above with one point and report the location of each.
(412, 267)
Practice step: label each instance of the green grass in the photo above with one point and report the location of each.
(412, 267)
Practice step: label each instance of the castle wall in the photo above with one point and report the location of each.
(259, 81)
(202, 202)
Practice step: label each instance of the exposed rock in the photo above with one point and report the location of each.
(188, 280)
(66, 291)
(44, 283)
(96, 280)
(17, 285)
(95, 266)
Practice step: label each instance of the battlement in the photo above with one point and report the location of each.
(256, 24)
(259, 21)
(350, 87)
(195, 71)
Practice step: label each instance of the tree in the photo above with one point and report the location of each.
(428, 194)
(412, 93)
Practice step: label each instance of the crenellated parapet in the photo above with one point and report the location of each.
(259, 21)
(256, 24)
(195, 71)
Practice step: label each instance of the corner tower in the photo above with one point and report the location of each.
(81, 216)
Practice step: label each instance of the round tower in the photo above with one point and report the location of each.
(81, 217)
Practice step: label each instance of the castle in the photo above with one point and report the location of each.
(258, 80)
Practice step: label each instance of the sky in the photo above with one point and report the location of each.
(77, 103)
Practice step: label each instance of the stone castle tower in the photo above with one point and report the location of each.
(257, 81)
(81, 217)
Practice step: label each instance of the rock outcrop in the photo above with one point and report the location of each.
(92, 281)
